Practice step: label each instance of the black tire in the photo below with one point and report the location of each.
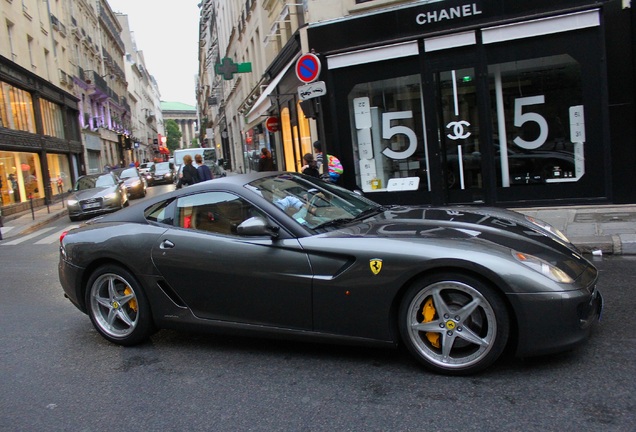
(74, 218)
(118, 307)
(453, 324)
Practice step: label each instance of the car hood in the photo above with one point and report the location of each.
(492, 225)
(94, 193)
(131, 180)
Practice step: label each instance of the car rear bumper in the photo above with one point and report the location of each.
(69, 273)
(555, 322)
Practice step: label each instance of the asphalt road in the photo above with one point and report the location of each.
(59, 375)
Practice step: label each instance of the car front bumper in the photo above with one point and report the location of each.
(555, 322)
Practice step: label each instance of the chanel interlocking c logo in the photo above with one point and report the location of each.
(458, 130)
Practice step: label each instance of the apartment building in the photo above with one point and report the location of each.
(65, 104)
(146, 116)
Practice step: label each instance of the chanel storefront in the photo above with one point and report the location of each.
(482, 102)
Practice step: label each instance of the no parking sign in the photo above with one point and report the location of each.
(308, 68)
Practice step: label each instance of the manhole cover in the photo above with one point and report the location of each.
(605, 217)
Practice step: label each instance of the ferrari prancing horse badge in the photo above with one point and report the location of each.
(376, 265)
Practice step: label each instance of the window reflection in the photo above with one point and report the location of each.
(537, 107)
(16, 109)
(387, 135)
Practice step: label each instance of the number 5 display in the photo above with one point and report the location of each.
(521, 119)
(388, 131)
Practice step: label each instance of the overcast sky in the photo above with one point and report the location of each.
(167, 32)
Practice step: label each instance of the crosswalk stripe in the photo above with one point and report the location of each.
(6, 229)
(55, 237)
(26, 237)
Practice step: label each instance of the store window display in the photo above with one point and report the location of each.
(537, 105)
(21, 177)
(387, 130)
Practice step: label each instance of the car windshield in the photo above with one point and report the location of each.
(129, 173)
(311, 202)
(162, 166)
(91, 182)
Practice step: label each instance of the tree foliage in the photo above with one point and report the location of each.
(173, 134)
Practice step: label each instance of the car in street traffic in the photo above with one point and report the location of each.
(96, 194)
(161, 173)
(145, 167)
(287, 255)
(135, 183)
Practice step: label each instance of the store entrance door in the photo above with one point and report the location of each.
(458, 135)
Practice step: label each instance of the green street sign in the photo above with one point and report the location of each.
(227, 68)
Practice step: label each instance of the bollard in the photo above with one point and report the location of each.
(1, 224)
(31, 203)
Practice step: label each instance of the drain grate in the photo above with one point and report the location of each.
(605, 217)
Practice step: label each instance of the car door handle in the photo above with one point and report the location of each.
(166, 244)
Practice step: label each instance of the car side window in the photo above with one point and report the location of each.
(215, 212)
(162, 212)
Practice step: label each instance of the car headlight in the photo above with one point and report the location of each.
(543, 267)
(547, 227)
(71, 202)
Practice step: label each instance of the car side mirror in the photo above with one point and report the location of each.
(257, 226)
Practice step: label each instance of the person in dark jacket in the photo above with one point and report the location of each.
(311, 167)
(189, 175)
(202, 169)
(266, 163)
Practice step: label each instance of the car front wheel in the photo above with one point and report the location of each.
(118, 307)
(453, 324)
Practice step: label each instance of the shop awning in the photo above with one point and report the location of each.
(263, 103)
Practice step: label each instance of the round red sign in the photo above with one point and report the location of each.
(308, 68)
(272, 124)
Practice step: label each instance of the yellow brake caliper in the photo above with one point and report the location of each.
(133, 302)
(428, 312)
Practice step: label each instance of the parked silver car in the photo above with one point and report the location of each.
(96, 194)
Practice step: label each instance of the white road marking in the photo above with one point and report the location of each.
(6, 229)
(27, 237)
(55, 237)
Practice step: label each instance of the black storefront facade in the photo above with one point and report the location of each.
(419, 98)
(40, 145)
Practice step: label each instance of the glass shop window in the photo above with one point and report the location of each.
(537, 106)
(387, 122)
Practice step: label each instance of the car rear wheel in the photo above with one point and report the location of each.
(118, 306)
(453, 324)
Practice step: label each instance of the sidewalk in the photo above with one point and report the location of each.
(607, 229)
(28, 221)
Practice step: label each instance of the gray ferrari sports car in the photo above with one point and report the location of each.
(285, 255)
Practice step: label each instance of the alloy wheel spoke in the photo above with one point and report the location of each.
(103, 301)
(468, 309)
(123, 316)
(433, 326)
(470, 336)
(447, 346)
(440, 305)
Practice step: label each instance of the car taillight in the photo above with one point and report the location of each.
(62, 236)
